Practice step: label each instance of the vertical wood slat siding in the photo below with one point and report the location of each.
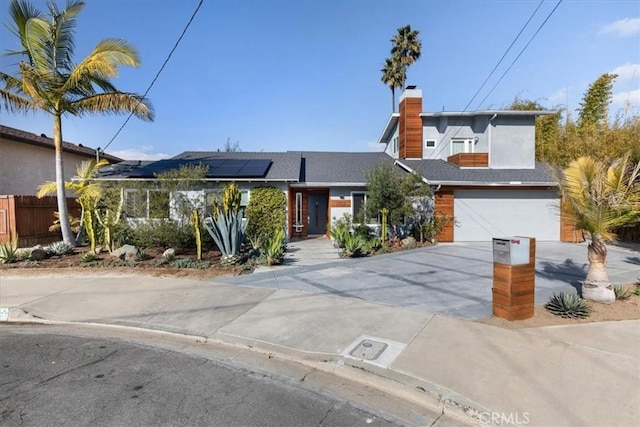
(444, 206)
(30, 218)
(410, 128)
(568, 231)
(470, 160)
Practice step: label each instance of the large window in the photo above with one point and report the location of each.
(146, 204)
(461, 145)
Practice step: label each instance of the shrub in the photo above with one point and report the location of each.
(8, 250)
(621, 292)
(59, 248)
(190, 263)
(274, 247)
(341, 229)
(161, 233)
(568, 305)
(88, 257)
(353, 246)
(266, 211)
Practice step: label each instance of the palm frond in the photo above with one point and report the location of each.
(63, 28)
(116, 103)
(103, 61)
(21, 12)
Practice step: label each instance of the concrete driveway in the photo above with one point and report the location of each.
(453, 279)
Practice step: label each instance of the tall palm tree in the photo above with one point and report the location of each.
(601, 196)
(406, 50)
(406, 45)
(48, 80)
(393, 75)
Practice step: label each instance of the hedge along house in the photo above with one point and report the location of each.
(319, 187)
(482, 167)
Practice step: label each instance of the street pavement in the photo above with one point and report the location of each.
(562, 375)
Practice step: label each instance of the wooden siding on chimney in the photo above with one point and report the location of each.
(470, 160)
(410, 128)
(444, 206)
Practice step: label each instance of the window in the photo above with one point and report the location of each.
(298, 221)
(147, 204)
(358, 203)
(396, 144)
(461, 145)
(430, 143)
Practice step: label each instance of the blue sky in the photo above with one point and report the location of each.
(305, 75)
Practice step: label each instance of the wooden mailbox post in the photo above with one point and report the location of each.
(514, 277)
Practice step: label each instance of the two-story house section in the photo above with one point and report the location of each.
(482, 166)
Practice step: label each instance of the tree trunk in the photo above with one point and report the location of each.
(65, 226)
(393, 99)
(597, 286)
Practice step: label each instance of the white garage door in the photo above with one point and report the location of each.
(483, 214)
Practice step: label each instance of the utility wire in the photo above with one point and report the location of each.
(508, 69)
(175, 46)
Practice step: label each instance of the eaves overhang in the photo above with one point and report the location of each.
(389, 128)
(489, 113)
(328, 184)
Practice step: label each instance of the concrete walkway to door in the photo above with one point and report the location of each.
(310, 251)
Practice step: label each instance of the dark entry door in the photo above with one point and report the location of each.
(317, 212)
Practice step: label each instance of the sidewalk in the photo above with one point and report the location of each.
(571, 375)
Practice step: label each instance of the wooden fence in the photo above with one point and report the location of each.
(30, 218)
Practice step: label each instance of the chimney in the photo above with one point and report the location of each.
(410, 124)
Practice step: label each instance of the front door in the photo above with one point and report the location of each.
(317, 213)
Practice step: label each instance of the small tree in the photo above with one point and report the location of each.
(385, 189)
(420, 198)
(266, 211)
(600, 197)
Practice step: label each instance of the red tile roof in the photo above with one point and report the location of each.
(18, 135)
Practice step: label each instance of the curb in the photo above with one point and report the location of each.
(414, 390)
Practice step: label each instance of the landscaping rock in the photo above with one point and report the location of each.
(98, 250)
(169, 253)
(38, 254)
(409, 242)
(125, 252)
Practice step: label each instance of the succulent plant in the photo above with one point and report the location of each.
(189, 263)
(143, 256)
(59, 248)
(568, 305)
(88, 257)
(621, 292)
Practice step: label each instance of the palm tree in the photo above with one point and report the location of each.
(405, 51)
(48, 80)
(393, 76)
(406, 45)
(601, 196)
(89, 193)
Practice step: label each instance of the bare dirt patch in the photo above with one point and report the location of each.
(628, 309)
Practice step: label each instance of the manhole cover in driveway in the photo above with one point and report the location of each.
(369, 349)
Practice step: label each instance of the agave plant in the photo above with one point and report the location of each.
(353, 245)
(227, 230)
(568, 305)
(9, 249)
(60, 248)
(621, 292)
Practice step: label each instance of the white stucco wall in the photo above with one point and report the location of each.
(23, 167)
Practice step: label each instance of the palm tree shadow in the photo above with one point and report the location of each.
(568, 272)
(633, 260)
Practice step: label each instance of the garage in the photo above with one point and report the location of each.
(483, 214)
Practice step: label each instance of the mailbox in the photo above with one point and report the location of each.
(511, 250)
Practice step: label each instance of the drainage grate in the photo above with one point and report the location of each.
(369, 349)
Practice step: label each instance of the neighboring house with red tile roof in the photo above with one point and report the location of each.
(27, 160)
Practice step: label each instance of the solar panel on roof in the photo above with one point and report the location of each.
(217, 168)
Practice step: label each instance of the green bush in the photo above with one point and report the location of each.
(266, 211)
(161, 233)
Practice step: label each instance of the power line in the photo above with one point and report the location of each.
(175, 46)
(508, 69)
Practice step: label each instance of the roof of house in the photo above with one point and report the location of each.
(438, 171)
(340, 168)
(302, 168)
(18, 135)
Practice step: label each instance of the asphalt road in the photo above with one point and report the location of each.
(49, 379)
